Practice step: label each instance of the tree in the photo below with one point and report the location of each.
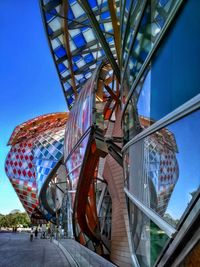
(15, 220)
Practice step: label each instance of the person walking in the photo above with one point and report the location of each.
(31, 235)
(51, 234)
(36, 233)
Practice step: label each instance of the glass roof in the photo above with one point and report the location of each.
(73, 41)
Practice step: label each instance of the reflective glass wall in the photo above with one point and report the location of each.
(161, 120)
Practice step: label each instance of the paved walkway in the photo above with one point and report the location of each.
(16, 250)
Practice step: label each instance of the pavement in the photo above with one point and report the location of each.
(16, 250)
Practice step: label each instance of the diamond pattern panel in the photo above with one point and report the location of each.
(21, 171)
(48, 150)
(32, 157)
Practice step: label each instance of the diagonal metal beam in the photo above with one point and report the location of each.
(136, 30)
(110, 91)
(116, 27)
(67, 46)
(86, 6)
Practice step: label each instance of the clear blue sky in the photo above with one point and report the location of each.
(29, 82)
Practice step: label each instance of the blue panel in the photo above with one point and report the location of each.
(160, 20)
(79, 40)
(49, 30)
(143, 55)
(145, 19)
(70, 99)
(93, 3)
(84, 28)
(163, 2)
(76, 58)
(75, 68)
(54, 163)
(59, 147)
(102, 27)
(175, 76)
(60, 51)
(61, 67)
(70, 14)
(109, 39)
(48, 16)
(89, 58)
(46, 171)
(82, 80)
(70, 91)
(105, 15)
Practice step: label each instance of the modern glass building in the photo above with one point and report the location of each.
(34, 160)
(126, 184)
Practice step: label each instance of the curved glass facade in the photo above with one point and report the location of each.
(86, 120)
(37, 147)
(161, 125)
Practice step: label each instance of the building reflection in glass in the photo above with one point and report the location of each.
(160, 171)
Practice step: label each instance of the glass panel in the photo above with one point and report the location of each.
(74, 163)
(50, 197)
(136, 119)
(175, 76)
(160, 91)
(131, 124)
(135, 13)
(126, 7)
(162, 170)
(148, 239)
(152, 22)
(80, 118)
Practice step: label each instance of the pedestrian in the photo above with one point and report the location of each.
(36, 233)
(49, 232)
(31, 235)
(43, 231)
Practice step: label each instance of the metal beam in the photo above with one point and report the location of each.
(136, 30)
(67, 46)
(112, 94)
(86, 6)
(116, 27)
(84, 17)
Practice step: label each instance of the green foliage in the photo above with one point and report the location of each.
(15, 220)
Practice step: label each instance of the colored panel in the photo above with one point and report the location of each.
(37, 146)
(80, 118)
(82, 40)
